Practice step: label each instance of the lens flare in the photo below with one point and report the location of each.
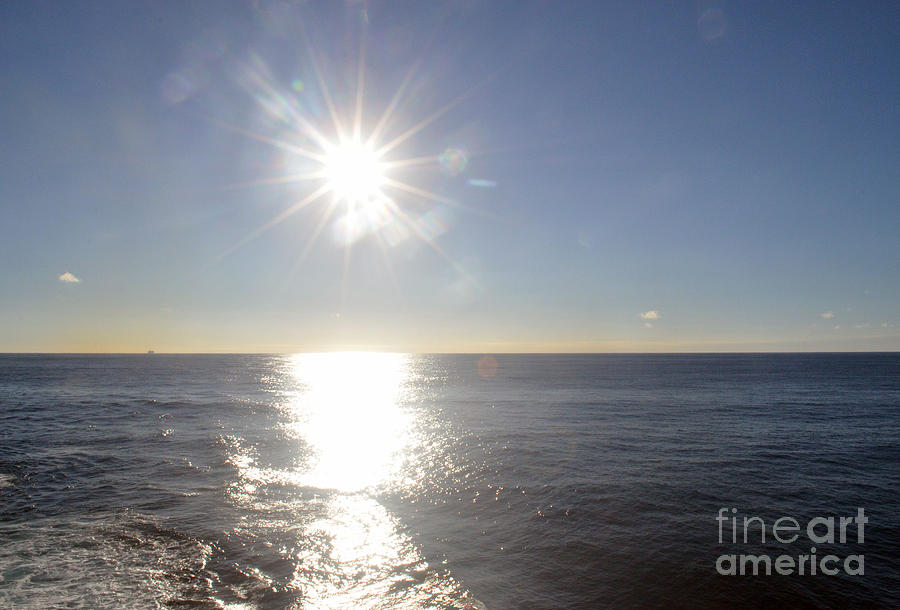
(454, 161)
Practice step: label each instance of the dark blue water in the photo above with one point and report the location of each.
(394, 481)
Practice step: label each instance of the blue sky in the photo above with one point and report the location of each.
(728, 170)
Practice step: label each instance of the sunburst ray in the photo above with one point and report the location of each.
(293, 209)
(289, 179)
(431, 118)
(323, 87)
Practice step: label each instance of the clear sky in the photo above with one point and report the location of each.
(592, 176)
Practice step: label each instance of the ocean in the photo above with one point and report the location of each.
(448, 481)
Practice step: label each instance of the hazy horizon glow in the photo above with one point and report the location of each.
(476, 177)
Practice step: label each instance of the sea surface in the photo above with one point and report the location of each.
(441, 481)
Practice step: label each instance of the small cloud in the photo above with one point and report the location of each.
(68, 278)
(648, 325)
(837, 327)
(650, 315)
(866, 325)
(828, 315)
(884, 325)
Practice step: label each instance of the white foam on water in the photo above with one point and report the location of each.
(114, 560)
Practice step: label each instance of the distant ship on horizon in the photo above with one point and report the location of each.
(150, 352)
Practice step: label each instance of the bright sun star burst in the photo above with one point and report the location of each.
(354, 172)
(361, 184)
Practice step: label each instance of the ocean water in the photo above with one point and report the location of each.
(441, 481)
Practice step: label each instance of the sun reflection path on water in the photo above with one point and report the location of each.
(348, 550)
(349, 413)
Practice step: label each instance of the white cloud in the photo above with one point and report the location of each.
(650, 315)
(828, 315)
(648, 324)
(68, 278)
(837, 327)
(866, 325)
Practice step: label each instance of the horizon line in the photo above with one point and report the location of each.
(448, 353)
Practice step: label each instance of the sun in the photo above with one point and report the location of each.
(354, 164)
(354, 173)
